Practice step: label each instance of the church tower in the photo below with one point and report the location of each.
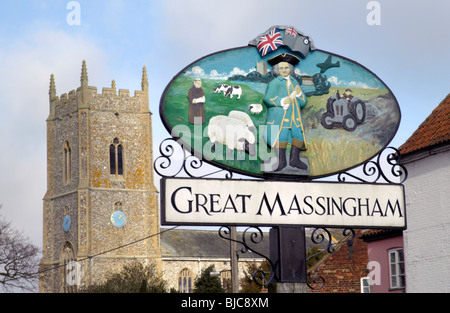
(101, 205)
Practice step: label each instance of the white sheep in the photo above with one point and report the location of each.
(255, 108)
(243, 117)
(233, 131)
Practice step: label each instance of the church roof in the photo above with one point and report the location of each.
(189, 243)
(204, 244)
(435, 130)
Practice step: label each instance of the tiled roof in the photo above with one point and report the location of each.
(203, 244)
(374, 234)
(208, 244)
(433, 131)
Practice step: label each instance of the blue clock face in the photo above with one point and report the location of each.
(118, 219)
(67, 222)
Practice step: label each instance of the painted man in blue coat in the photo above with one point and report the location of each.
(284, 100)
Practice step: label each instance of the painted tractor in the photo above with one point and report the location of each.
(346, 111)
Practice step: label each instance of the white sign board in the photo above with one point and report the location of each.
(187, 201)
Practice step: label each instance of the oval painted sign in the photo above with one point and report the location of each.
(279, 107)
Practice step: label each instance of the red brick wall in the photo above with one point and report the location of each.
(343, 270)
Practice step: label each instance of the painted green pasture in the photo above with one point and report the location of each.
(328, 151)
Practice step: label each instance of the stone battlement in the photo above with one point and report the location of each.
(87, 97)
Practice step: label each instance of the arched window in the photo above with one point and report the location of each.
(225, 279)
(71, 269)
(116, 157)
(67, 163)
(185, 281)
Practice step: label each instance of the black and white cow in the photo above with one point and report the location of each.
(233, 91)
(221, 88)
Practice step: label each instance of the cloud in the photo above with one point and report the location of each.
(301, 73)
(198, 72)
(237, 71)
(26, 64)
(216, 75)
(360, 85)
(29, 61)
(336, 82)
(214, 25)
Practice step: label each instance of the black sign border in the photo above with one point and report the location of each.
(350, 184)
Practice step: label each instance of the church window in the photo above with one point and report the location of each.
(225, 279)
(112, 158)
(185, 281)
(116, 157)
(119, 160)
(67, 163)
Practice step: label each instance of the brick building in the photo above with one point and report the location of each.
(342, 270)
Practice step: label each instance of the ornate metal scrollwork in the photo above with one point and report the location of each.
(385, 167)
(175, 161)
(316, 280)
(255, 236)
(318, 237)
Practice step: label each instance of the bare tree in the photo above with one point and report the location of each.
(19, 260)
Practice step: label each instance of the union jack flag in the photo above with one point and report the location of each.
(270, 42)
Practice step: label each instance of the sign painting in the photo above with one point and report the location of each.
(279, 107)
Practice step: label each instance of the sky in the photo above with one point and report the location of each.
(404, 42)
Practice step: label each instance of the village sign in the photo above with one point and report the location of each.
(268, 203)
